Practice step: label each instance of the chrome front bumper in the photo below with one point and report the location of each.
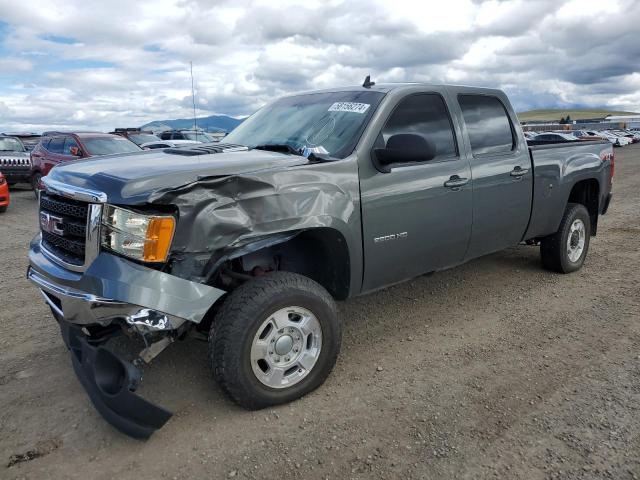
(82, 308)
(113, 288)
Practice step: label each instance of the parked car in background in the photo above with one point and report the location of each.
(635, 133)
(612, 139)
(634, 138)
(5, 198)
(622, 139)
(28, 139)
(167, 144)
(59, 147)
(136, 135)
(15, 161)
(529, 135)
(194, 135)
(554, 137)
(585, 136)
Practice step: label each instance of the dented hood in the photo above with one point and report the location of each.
(135, 178)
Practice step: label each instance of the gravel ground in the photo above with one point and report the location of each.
(493, 369)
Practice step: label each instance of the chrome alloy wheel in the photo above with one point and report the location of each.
(576, 240)
(286, 347)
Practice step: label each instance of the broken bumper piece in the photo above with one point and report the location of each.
(110, 383)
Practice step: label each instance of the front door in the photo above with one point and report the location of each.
(417, 217)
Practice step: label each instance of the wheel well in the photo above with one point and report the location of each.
(587, 193)
(321, 254)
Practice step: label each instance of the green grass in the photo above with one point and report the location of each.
(557, 114)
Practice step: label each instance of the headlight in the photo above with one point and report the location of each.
(142, 237)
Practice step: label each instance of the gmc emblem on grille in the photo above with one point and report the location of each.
(51, 223)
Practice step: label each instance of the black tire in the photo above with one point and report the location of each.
(553, 249)
(3, 209)
(35, 181)
(238, 320)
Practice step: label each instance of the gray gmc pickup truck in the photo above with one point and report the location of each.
(317, 197)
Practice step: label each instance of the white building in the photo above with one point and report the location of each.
(632, 121)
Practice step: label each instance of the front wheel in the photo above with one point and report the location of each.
(565, 250)
(275, 339)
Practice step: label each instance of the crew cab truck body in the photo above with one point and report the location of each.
(318, 196)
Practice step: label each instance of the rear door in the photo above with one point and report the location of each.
(501, 171)
(412, 222)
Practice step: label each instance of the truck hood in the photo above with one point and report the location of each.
(132, 178)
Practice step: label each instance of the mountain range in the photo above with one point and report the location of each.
(212, 123)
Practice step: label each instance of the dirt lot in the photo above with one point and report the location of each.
(494, 369)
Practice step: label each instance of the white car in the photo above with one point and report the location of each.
(623, 140)
(554, 137)
(166, 144)
(613, 139)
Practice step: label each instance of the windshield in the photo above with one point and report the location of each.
(109, 145)
(199, 137)
(11, 145)
(329, 123)
(140, 138)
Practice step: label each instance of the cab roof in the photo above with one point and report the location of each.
(390, 87)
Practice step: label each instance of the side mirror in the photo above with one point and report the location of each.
(404, 148)
(75, 151)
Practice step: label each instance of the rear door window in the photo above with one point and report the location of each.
(488, 124)
(56, 145)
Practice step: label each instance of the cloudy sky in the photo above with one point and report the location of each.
(99, 64)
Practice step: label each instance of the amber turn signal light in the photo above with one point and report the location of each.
(158, 239)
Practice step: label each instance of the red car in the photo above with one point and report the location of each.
(4, 194)
(58, 147)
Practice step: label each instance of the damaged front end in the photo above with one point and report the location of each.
(230, 216)
(110, 382)
(111, 297)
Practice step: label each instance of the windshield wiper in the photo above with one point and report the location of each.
(279, 147)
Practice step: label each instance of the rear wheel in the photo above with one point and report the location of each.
(565, 250)
(3, 209)
(275, 339)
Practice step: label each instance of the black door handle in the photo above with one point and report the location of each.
(519, 172)
(456, 182)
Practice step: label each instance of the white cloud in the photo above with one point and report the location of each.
(92, 64)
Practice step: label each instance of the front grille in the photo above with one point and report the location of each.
(64, 206)
(63, 223)
(15, 162)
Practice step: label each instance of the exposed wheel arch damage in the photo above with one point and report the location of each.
(321, 254)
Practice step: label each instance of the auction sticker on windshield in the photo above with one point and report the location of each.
(349, 107)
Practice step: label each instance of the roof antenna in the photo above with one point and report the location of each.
(368, 83)
(193, 98)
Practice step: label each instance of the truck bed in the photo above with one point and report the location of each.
(558, 167)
